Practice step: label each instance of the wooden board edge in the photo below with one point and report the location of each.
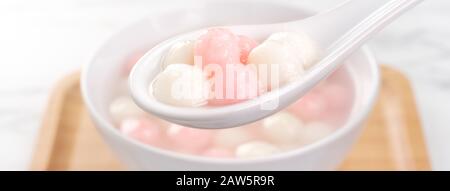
(49, 126)
(419, 152)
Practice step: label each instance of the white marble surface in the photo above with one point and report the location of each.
(42, 40)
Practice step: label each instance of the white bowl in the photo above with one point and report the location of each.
(100, 78)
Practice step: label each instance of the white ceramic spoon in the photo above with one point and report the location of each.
(339, 31)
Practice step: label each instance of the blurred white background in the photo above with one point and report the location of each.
(41, 41)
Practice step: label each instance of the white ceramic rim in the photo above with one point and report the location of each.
(352, 123)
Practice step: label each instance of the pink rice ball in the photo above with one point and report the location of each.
(237, 84)
(142, 130)
(336, 95)
(312, 106)
(219, 47)
(246, 45)
(218, 153)
(188, 140)
(223, 55)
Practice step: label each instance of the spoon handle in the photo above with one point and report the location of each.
(351, 19)
(359, 34)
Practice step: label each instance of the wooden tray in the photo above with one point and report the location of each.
(392, 139)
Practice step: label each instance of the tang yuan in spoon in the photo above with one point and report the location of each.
(221, 77)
